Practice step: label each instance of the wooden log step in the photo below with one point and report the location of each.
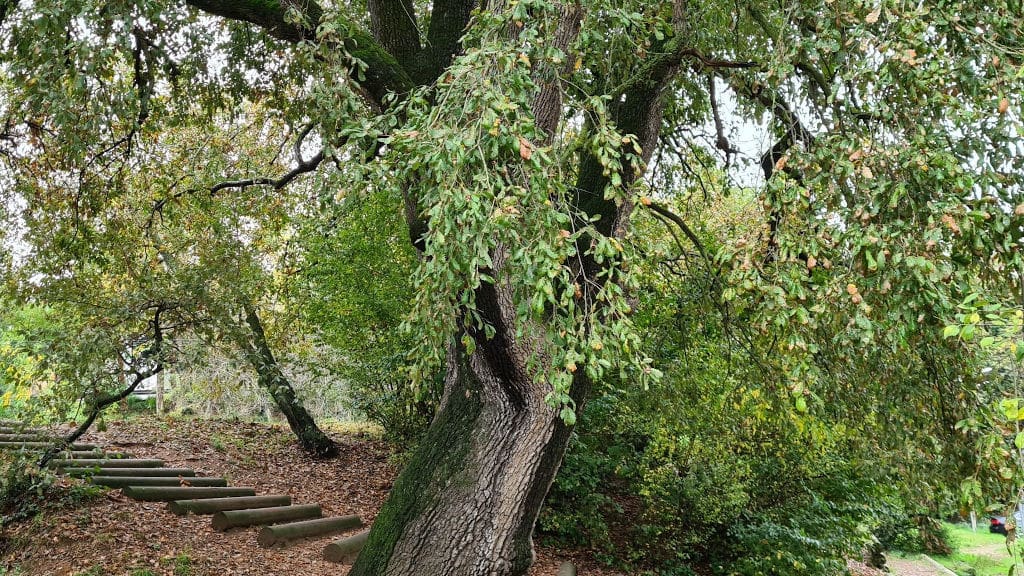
(567, 569)
(22, 437)
(94, 454)
(20, 430)
(214, 505)
(41, 445)
(346, 549)
(108, 463)
(260, 516)
(9, 422)
(148, 472)
(168, 493)
(123, 481)
(271, 535)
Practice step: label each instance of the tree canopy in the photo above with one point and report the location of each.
(533, 149)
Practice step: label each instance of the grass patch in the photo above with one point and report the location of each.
(362, 428)
(978, 553)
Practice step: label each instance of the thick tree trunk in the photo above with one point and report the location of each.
(477, 481)
(311, 438)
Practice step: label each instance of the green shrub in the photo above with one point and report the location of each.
(578, 504)
(657, 495)
(383, 395)
(182, 565)
(137, 404)
(23, 488)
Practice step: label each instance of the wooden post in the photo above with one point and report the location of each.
(159, 394)
(168, 493)
(137, 472)
(345, 550)
(107, 463)
(214, 505)
(271, 535)
(135, 481)
(260, 516)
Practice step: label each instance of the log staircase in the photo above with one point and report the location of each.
(186, 492)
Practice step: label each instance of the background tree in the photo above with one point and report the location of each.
(216, 258)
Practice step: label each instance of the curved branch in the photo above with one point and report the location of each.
(378, 72)
(664, 212)
(102, 402)
(270, 15)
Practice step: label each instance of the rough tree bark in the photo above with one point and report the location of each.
(257, 351)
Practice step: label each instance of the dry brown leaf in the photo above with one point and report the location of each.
(525, 148)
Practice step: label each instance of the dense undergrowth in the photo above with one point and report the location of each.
(26, 489)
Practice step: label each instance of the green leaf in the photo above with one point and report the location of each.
(950, 331)
(1018, 440)
(568, 415)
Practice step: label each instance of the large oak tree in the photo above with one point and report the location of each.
(520, 136)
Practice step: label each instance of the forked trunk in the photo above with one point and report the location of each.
(477, 481)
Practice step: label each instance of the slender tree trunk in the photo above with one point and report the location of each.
(268, 372)
(159, 394)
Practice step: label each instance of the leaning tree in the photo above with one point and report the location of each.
(519, 136)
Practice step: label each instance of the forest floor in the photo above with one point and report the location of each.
(111, 535)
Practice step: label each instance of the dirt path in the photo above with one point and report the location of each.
(917, 567)
(994, 550)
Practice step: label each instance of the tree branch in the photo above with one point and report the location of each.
(671, 216)
(448, 20)
(102, 402)
(270, 15)
(721, 142)
(673, 54)
(547, 106)
(393, 24)
(379, 74)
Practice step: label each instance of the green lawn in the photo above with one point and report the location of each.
(976, 553)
